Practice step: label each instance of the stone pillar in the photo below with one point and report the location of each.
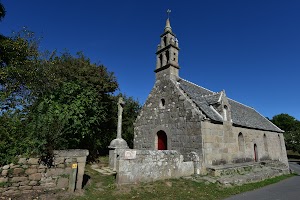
(80, 155)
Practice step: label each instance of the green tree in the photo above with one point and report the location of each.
(291, 126)
(13, 138)
(72, 111)
(130, 113)
(18, 69)
(56, 101)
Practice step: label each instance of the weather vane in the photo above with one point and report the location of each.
(168, 11)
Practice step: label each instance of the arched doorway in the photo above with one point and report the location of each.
(255, 153)
(162, 140)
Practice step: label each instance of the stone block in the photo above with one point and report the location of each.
(4, 172)
(15, 184)
(67, 170)
(19, 179)
(18, 171)
(25, 187)
(26, 191)
(41, 170)
(41, 166)
(55, 172)
(81, 159)
(35, 177)
(48, 185)
(11, 192)
(6, 167)
(23, 183)
(33, 183)
(59, 160)
(33, 161)
(71, 153)
(37, 187)
(3, 180)
(31, 171)
(25, 166)
(22, 161)
(62, 183)
(61, 166)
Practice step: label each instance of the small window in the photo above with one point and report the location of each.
(241, 143)
(225, 112)
(162, 103)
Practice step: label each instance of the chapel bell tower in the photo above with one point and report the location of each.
(167, 54)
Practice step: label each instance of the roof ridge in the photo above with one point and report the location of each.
(196, 85)
(257, 112)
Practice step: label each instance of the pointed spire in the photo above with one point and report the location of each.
(168, 25)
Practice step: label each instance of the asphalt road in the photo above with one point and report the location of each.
(288, 189)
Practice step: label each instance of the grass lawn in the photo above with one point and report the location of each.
(103, 187)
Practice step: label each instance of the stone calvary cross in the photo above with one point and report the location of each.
(120, 112)
(119, 142)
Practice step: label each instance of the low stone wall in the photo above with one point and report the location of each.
(135, 166)
(30, 175)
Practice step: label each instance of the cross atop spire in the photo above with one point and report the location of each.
(168, 12)
(168, 26)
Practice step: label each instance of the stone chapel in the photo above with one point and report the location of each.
(183, 116)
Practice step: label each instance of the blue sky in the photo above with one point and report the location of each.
(249, 48)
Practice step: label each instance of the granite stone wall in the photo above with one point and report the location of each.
(167, 109)
(30, 174)
(134, 166)
(222, 146)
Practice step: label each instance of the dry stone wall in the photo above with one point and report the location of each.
(30, 174)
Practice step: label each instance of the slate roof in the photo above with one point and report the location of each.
(240, 114)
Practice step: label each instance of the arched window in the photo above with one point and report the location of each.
(241, 143)
(162, 140)
(168, 56)
(162, 103)
(225, 112)
(255, 153)
(161, 60)
(266, 144)
(165, 41)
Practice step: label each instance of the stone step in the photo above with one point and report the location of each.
(103, 170)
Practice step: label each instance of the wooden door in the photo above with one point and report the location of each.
(162, 140)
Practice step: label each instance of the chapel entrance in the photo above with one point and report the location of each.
(162, 142)
(255, 153)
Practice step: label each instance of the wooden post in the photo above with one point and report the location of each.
(73, 175)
